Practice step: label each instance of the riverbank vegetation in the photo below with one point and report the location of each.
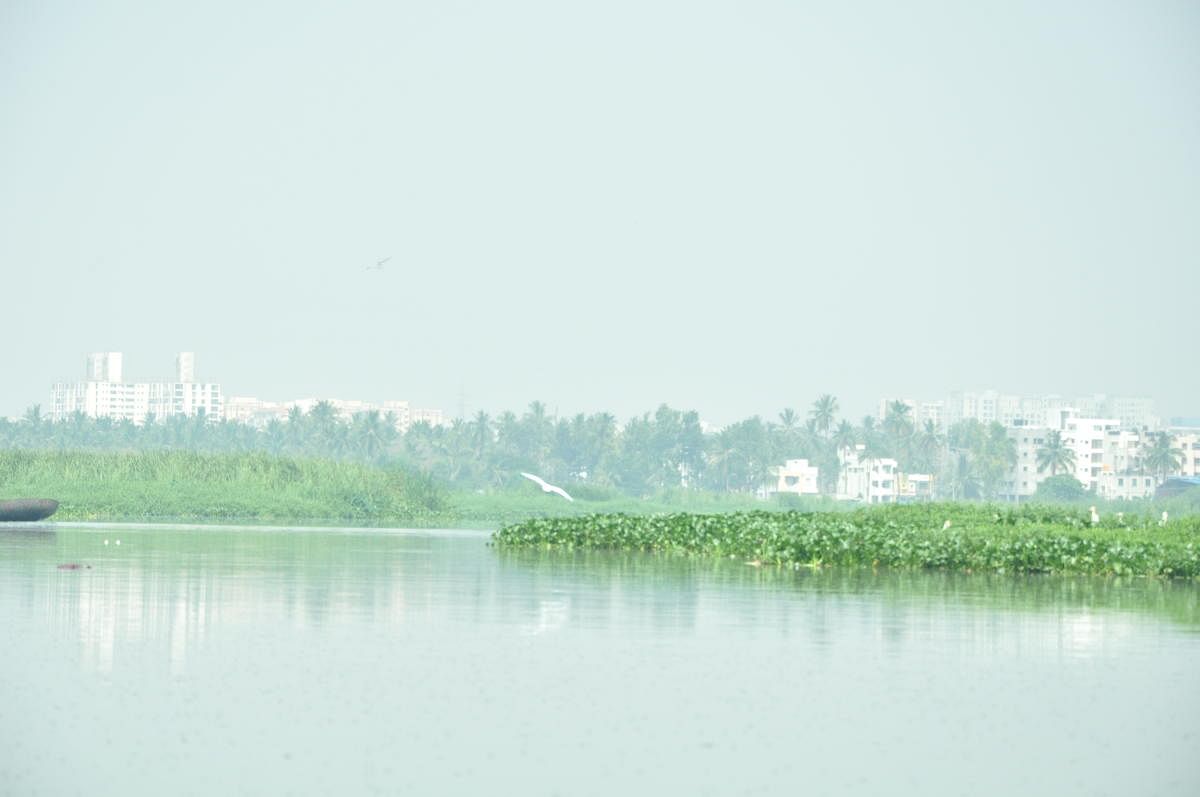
(665, 451)
(254, 486)
(184, 485)
(950, 537)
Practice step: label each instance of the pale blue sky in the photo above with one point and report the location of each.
(731, 206)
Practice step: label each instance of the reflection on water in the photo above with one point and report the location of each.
(423, 643)
(170, 588)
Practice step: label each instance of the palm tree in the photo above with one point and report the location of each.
(369, 434)
(788, 431)
(999, 457)
(899, 427)
(824, 409)
(1055, 454)
(1160, 457)
(481, 434)
(321, 425)
(961, 477)
(845, 436)
(927, 444)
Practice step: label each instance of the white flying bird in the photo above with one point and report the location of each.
(547, 488)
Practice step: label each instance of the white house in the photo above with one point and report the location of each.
(798, 477)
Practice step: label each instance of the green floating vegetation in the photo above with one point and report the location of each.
(978, 538)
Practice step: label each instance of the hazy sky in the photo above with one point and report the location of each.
(727, 206)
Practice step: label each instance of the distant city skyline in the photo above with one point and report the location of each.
(1133, 411)
(727, 206)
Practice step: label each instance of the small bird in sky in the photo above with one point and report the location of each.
(379, 264)
(547, 488)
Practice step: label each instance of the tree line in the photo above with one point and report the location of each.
(665, 449)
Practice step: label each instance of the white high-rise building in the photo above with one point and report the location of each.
(1086, 437)
(104, 394)
(1050, 411)
(919, 411)
(104, 366)
(185, 367)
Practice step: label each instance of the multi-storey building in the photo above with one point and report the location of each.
(1109, 459)
(1086, 437)
(798, 477)
(1187, 442)
(1050, 411)
(104, 394)
(872, 481)
(919, 411)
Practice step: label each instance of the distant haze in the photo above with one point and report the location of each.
(726, 206)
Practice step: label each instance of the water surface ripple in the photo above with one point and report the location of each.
(252, 661)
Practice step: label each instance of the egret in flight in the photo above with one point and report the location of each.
(547, 488)
(379, 264)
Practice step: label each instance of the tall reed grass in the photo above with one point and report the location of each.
(190, 485)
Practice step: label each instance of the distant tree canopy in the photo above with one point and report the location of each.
(660, 450)
(1063, 487)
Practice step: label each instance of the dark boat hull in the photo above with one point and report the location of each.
(27, 510)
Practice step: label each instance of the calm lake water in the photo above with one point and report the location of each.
(212, 661)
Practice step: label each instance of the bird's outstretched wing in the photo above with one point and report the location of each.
(381, 262)
(561, 492)
(536, 479)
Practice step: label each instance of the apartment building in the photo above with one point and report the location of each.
(1050, 410)
(919, 411)
(104, 393)
(871, 481)
(1109, 459)
(1187, 441)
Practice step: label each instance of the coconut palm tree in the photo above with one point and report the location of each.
(482, 435)
(961, 476)
(369, 435)
(927, 444)
(823, 411)
(898, 426)
(998, 458)
(1160, 457)
(1055, 454)
(844, 435)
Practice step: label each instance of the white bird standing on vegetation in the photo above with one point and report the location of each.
(1095, 516)
(946, 525)
(1163, 522)
(547, 488)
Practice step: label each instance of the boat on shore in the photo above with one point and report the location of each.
(27, 510)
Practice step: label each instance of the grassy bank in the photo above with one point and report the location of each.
(256, 487)
(181, 485)
(979, 539)
(184, 485)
